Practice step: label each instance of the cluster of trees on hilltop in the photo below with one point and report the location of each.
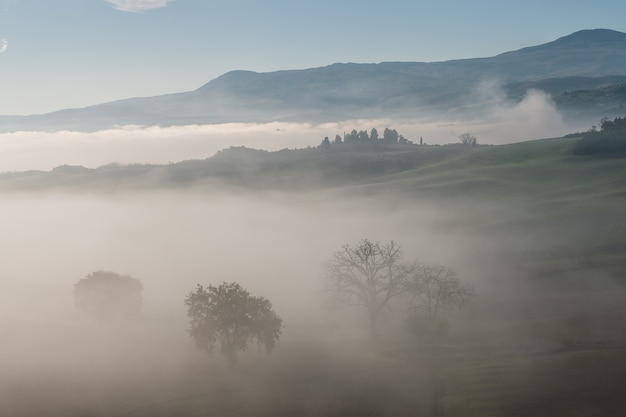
(389, 136)
(610, 138)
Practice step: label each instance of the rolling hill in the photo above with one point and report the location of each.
(537, 184)
(542, 179)
(548, 321)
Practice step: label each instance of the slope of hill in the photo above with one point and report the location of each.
(344, 91)
(587, 53)
(572, 206)
(539, 172)
(548, 320)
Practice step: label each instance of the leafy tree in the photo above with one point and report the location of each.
(611, 138)
(468, 139)
(229, 316)
(368, 275)
(325, 143)
(374, 134)
(337, 139)
(363, 136)
(434, 289)
(105, 295)
(390, 135)
(353, 136)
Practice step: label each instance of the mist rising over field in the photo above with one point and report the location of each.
(545, 266)
(465, 259)
(501, 122)
(58, 362)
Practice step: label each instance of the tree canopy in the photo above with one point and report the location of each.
(437, 288)
(389, 137)
(433, 290)
(368, 274)
(105, 295)
(229, 316)
(610, 138)
(468, 139)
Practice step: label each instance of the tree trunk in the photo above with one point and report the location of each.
(435, 382)
(373, 326)
(436, 394)
(229, 351)
(231, 355)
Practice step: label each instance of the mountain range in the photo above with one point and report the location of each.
(585, 73)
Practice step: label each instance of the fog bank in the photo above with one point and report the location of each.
(55, 361)
(535, 117)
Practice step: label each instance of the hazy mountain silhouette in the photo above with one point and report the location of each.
(588, 60)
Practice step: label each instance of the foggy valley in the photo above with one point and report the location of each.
(535, 232)
(55, 361)
(436, 239)
(530, 281)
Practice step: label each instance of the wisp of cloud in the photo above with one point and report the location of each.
(138, 5)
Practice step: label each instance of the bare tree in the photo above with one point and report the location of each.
(436, 288)
(468, 139)
(368, 275)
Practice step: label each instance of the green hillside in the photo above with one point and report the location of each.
(536, 184)
(540, 231)
(534, 172)
(542, 170)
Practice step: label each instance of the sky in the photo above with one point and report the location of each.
(57, 54)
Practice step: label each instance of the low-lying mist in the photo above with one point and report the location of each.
(498, 122)
(272, 244)
(55, 361)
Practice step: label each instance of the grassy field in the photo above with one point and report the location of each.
(540, 171)
(546, 335)
(582, 381)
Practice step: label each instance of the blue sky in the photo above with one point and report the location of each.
(59, 54)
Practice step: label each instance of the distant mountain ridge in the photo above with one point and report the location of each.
(584, 38)
(585, 60)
